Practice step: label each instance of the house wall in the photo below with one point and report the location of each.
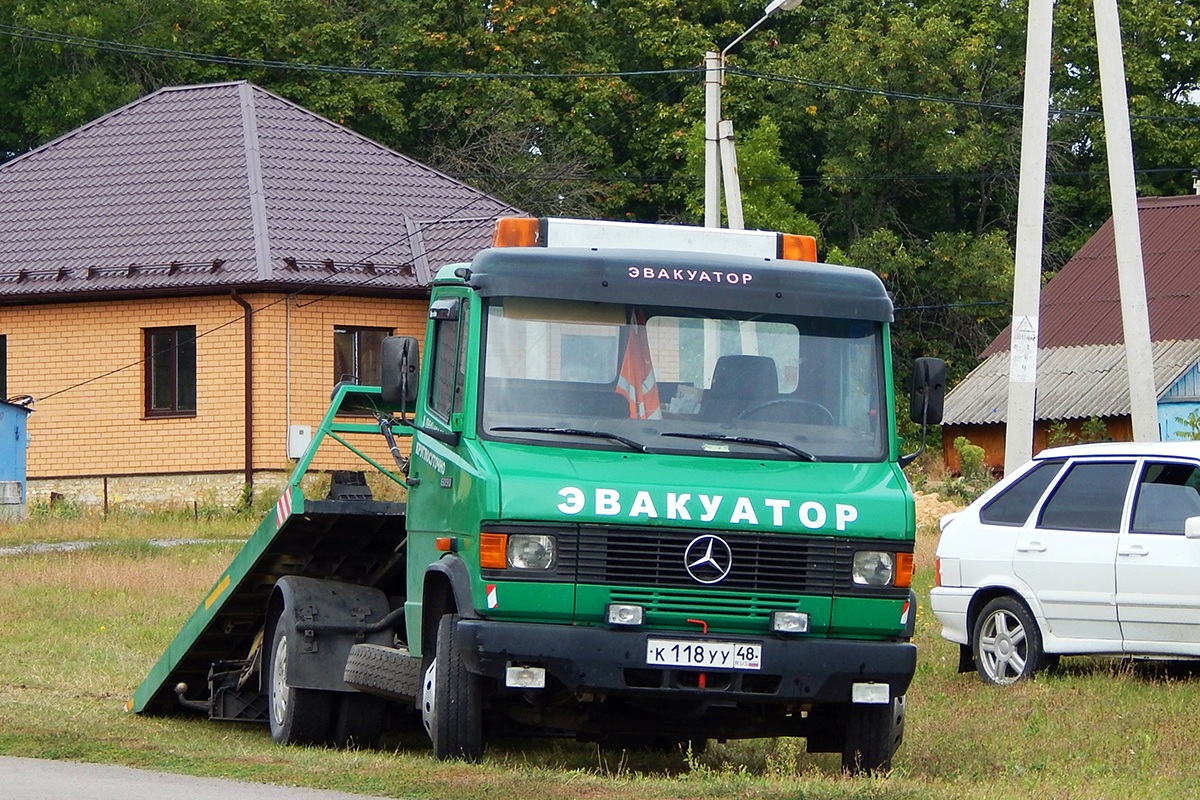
(991, 439)
(83, 364)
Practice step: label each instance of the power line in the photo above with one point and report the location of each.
(892, 94)
(124, 48)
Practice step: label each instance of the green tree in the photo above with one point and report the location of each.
(952, 293)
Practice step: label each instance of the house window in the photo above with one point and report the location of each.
(171, 371)
(356, 354)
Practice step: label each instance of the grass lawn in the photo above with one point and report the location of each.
(80, 629)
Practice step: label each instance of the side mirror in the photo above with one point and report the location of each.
(401, 368)
(928, 391)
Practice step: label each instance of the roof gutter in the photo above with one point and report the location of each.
(248, 383)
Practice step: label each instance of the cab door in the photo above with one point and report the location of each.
(1158, 568)
(1068, 556)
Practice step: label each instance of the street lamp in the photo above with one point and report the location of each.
(719, 158)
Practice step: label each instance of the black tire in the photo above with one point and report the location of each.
(359, 722)
(873, 734)
(451, 701)
(297, 716)
(386, 671)
(1006, 642)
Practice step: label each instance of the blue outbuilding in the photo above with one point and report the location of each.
(14, 442)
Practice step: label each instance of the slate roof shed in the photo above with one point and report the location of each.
(1081, 358)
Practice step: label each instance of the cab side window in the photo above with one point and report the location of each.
(449, 357)
(1167, 495)
(1014, 505)
(1090, 498)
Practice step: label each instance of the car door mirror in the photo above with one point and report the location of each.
(1191, 527)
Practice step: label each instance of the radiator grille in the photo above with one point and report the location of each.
(761, 563)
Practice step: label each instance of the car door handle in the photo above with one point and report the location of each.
(1031, 547)
(1134, 550)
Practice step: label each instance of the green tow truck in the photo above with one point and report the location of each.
(654, 496)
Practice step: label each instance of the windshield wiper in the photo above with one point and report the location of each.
(616, 437)
(720, 437)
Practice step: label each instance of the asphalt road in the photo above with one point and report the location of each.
(38, 779)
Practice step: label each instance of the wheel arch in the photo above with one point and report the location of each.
(447, 590)
(987, 594)
(321, 658)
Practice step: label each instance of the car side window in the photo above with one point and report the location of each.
(1090, 497)
(1166, 497)
(1014, 505)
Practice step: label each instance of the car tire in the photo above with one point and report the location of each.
(1007, 643)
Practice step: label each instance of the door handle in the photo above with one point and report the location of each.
(1031, 547)
(1133, 550)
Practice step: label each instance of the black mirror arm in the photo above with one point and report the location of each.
(904, 461)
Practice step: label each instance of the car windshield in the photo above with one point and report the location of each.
(594, 375)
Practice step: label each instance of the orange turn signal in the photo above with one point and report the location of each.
(493, 550)
(904, 570)
(515, 232)
(794, 247)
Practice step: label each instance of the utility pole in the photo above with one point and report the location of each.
(1022, 379)
(1027, 275)
(719, 158)
(1135, 314)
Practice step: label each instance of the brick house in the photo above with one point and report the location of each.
(182, 281)
(1081, 355)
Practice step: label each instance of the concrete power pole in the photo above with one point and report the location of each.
(1022, 380)
(1027, 275)
(1135, 314)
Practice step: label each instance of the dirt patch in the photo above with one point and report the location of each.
(931, 507)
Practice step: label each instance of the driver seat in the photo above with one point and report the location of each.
(739, 382)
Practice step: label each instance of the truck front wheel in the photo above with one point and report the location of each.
(873, 733)
(451, 699)
(298, 716)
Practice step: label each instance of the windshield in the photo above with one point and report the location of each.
(662, 380)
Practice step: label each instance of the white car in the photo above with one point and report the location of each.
(1089, 549)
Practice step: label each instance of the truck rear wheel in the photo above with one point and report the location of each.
(359, 721)
(451, 700)
(873, 734)
(298, 716)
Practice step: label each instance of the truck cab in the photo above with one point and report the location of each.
(653, 496)
(655, 492)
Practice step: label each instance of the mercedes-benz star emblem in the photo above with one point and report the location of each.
(708, 559)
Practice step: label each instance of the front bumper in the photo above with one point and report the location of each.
(613, 662)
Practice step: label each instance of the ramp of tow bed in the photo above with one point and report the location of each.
(356, 540)
(331, 539)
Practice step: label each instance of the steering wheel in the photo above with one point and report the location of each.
(820, 410)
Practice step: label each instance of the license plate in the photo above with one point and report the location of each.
(702, 654)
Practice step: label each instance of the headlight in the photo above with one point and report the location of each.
(874, 568)
(530, 551)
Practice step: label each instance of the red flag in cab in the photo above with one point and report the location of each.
(637, 383)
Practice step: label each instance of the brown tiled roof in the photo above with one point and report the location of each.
(202, 188)
(1081, 304)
